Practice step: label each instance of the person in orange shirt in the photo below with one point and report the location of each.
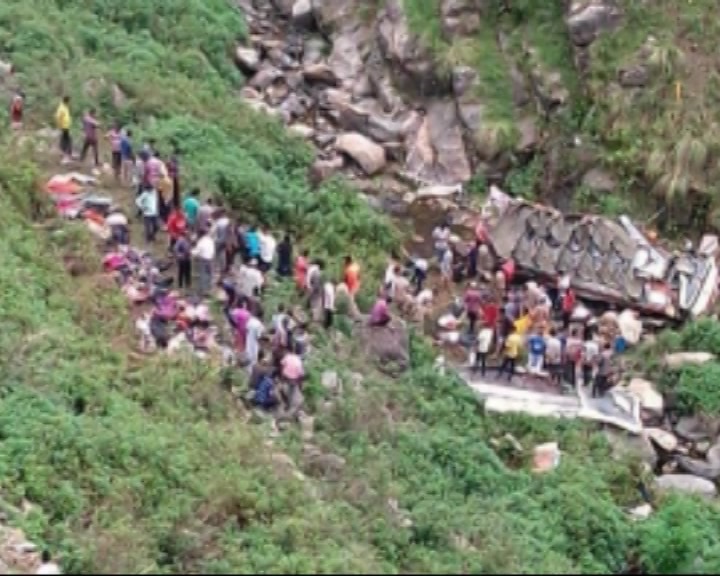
(301, 267)
(352, 276)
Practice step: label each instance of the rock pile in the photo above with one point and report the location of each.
(684, 451)
(352, 87)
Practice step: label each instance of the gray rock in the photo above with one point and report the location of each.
(284, 7)
(350, 49)
(327, 465)
(247, 59)
(698, 467)
(460, 17)
(302, 13)
(436, 150)
(587, 19)
(679, 359)
(636, 447)
(333, 16)
(265, 76)
(368, 155)
(388, 347)
(687, 484)
(321, 169)
(696, 428)
(665, 440)
(320, 73)
(633, 76)
(713, 454)
(598, 180)
(119, 98)
(330, 382)
(464, 78)
(315, 49)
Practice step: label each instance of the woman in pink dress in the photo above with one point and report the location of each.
(239, 318)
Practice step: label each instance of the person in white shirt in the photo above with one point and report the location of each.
(389, 281)
(254, 332)
(484, 343)
(268, 246)
(328, 304)
(204, 253)
(148, 204)
(441, 236)
(249, 279)
(220, 233)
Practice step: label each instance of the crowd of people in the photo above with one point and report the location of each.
(209, 248)
(212, 252)
(506, 321)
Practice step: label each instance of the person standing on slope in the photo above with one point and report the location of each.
(16, 110)
(63, 120)
(90, 128)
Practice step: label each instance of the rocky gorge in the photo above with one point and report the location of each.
(379, 105)
(405, 125)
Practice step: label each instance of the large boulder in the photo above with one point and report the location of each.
(697, 428)
(665, 440)
(319, 73)
(698, 467)
(302, 13)
(367, 117)
(247, 59)
(625, 446)
(369, 155)
(350, 50)
(388, 346)
(650, 399)
(436, 150)
(586, 19)
(686, 483)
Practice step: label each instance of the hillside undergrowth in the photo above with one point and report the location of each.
(146, 464)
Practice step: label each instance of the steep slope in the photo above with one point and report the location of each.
(146, 464)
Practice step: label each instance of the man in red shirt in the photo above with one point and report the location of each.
(176, 226)
(490, 312)
(568, 305)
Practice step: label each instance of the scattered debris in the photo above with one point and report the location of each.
(641, 512)
(546, 457)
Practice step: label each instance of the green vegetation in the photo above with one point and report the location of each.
(695, 386)
(146, 464)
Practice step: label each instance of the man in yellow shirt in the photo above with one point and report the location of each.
(63, 121)
(513, 346)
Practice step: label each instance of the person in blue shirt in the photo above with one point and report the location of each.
(536, 352)
(127, 158)
(252, 244)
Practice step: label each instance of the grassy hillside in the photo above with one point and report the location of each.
(141, 465)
